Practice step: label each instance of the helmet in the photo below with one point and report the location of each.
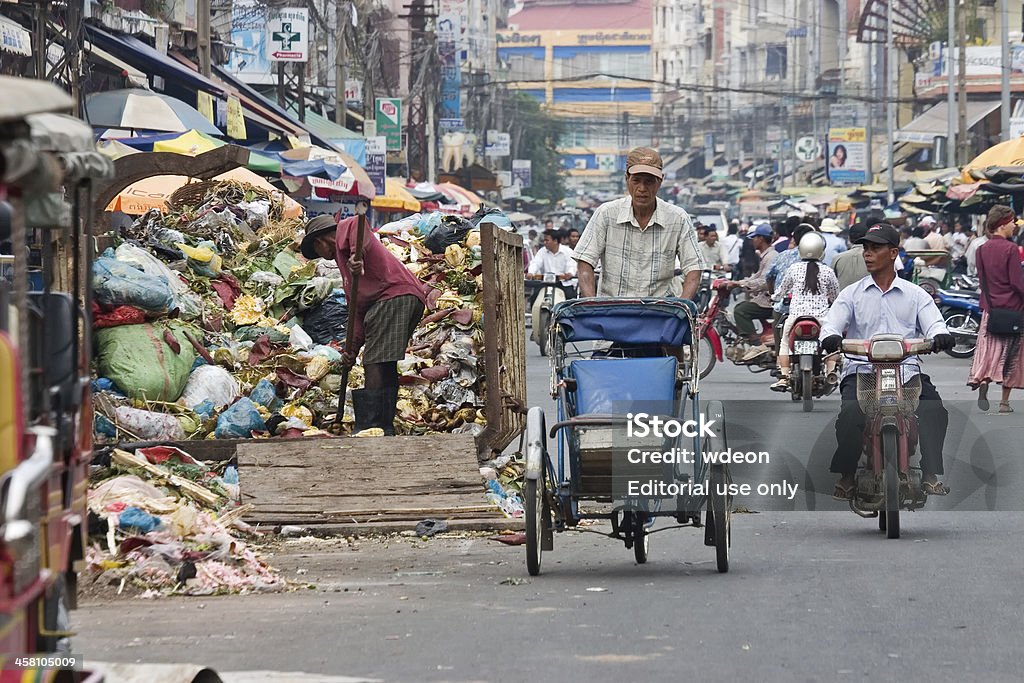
(811, 247)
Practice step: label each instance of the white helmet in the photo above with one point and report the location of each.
(811, 247)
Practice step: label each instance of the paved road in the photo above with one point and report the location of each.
(812, 596)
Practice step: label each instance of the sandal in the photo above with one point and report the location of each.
(983, 404)
(782, 385)
(935, 488)
(843, 493)
(1004, 408)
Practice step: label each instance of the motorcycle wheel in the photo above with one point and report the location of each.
(542, 334)
(807, 384)
(891, 478)
(965, 346)
(706, 357)
(931, 286)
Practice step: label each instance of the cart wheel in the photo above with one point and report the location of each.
(533, 495)
(641, 539)
(719, 499)
(542, 334)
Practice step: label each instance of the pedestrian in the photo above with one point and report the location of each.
(970, 256)
(389, 304)
(638, 239)
(999, 355)
(849, 266)
(834, 245)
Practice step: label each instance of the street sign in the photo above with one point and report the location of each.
(376, 161)
(354, 92)
(388, 114)
(504, 178)
(522, 172)
(807, 149)
(451, 124)
(498, 144)
(606, 162)
(288, 35)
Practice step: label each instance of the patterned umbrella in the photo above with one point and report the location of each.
(138, 109)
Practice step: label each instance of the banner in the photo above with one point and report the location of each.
(451, 23)
(522, 173)
(846, 163)
(236, 120)
(388, 115)
(376, 161)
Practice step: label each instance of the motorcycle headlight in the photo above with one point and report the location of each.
(886, 351)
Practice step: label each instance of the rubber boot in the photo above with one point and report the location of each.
(387, 401)
(366, 409)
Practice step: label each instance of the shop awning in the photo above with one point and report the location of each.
(934, 122)
(395, 197)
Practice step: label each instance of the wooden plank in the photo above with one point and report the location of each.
(390, 526)
(355, 481)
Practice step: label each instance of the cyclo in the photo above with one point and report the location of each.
(595, 392)
(888, 395)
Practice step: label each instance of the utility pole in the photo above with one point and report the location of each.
(951, 142)
(961, 139)
(203, 38)
(890, 104)
(340, 57)
(1004, 111)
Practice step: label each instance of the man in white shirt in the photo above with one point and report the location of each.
(713, 251)
(554, 258)
(971, 255)
(732, 243)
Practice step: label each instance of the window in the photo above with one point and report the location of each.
(524, 64)
(776, 67)
(629, 63)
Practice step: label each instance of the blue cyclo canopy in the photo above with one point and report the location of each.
(666, 321)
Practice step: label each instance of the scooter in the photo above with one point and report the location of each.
(551, 294)
(720, 339)
(809, 380)
(961, 311)
(885, 483)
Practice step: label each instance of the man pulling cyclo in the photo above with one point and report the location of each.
(883, 303)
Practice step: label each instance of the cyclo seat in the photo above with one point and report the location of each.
(604, 384)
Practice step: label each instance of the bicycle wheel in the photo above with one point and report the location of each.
(706, 357)
(533, 503)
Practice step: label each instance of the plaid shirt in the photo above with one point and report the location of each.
(635, 261)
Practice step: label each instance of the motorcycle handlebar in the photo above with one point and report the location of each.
(908, 347)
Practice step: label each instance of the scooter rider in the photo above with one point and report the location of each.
(554, 259)
(877, 304)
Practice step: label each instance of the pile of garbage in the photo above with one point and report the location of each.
(209, 324)
(165, 523)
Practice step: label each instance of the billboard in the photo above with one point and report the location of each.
(846, 160)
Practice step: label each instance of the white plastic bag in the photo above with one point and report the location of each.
(213, 383)
(300, 339)
(189, 303)
(149, 426)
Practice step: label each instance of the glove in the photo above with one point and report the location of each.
(943, 342)
(832, 343)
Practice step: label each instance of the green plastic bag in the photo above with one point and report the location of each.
(141, 362)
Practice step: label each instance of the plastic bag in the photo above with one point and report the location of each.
(116, 284)
(142, 364)
(203, 259)
(300, 339)
(408, 224)
(210, 383)
(146, 425)
(139, 520)
(121, 315)
(451, 230)
(491, 215)
(239, 421)
(257, 213)
(264, 393)
(326, 323)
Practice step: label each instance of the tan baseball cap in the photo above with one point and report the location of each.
(644, 160)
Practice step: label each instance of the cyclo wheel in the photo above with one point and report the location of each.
(807, 384)
(719, 514)
(535, 509)
(891, 476)
(641, 539)
(542, 335)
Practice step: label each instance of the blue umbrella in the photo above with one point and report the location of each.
(138, 109)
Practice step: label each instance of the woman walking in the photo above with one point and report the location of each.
(999, 356)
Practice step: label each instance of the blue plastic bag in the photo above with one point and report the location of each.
(116, 283)
(239, 421)
(140, 520)
(265, 394)
(103, 427)
(205, 409)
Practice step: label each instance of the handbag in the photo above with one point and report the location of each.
(1004, 322)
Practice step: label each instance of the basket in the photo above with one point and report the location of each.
(193, 194)
(907, 396)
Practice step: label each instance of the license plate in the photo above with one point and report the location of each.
(802, 347)
(549, 277)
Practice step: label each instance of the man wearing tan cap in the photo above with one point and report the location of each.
(639, 239)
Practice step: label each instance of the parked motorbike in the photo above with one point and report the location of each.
(552, 292)
(961, 311)
(889, 396)
(719, 338)
(809, 379)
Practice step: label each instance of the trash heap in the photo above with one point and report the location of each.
(210, 325)
(165, 523)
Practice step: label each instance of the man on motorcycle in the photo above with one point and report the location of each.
(877, 304)
(759, 305)
(554, 259)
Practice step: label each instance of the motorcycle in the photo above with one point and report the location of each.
(552, 292)
(885, 483)
(809, 379)
(961, 311)
(719, 338)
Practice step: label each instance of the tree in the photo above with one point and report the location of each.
(535, 135)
